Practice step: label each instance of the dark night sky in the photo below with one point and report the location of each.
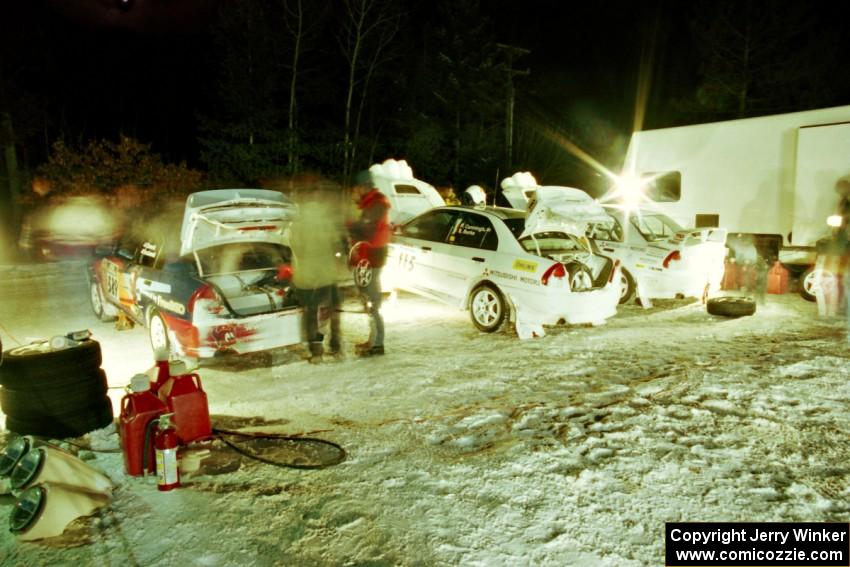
(144, 69)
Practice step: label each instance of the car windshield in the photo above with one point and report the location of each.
(655, 227)
(242, 257)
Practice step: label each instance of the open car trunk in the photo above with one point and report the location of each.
(237, 240)
(251, 277)
(555, 228)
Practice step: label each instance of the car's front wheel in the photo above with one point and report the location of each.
(97, 305)
(487, 308)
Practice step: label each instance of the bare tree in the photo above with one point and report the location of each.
(368, 28)
(302, 25)
(760, 57)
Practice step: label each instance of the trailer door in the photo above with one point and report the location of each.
(823, 156)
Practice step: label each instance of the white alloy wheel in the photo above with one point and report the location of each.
(581, 280)
(158, 333)
(363, 273)
(627, 286)
(810, 284)
(487, 309)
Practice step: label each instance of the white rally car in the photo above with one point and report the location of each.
(660, 259)
(502, 264)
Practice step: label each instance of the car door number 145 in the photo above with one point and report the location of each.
(406, 260)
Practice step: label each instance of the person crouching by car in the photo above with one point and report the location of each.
(370, 235)
(315, 238)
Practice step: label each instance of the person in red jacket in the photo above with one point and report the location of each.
(370, 235)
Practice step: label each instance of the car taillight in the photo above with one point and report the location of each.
(671, 257)
(613, 271)
(284, 273)
(205, 297)
(556, 270)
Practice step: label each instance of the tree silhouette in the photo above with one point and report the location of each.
(760, 58)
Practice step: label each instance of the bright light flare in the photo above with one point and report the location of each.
(834, 221)
(629, 190)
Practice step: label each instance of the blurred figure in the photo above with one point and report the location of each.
(843, 235)
(448, 195)
(371, 235)
(747, 258)
(69, 227)
(315, 237)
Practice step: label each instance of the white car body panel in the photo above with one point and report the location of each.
(702, 251)
(699, 269)
(243, 335)
(450, 272)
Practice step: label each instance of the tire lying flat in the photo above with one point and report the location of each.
(24, 365)
(731, 306)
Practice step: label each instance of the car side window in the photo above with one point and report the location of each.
(474, 231)
(607, 231)
(652, 227)
(432, 226)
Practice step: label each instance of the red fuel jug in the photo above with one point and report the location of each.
(777, 279)
(138, 407)
(165, 443)
(186, 399)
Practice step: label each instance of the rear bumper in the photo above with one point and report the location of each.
(671, 283)
(550, 307)
(203, 339)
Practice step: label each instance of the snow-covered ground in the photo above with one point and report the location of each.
(473, 449)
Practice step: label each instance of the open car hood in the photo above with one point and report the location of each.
(561, 209)
(223, 216)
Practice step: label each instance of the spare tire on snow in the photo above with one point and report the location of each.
(731, 306)
(37, 362)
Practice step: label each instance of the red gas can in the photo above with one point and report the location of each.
(138, 407)
(731, 276)
(777, 279)
(186, 399)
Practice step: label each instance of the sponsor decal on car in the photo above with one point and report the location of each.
(525, 265)
(168, 304)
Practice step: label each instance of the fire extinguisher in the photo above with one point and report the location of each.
(165, 443)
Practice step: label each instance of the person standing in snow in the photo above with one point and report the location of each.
(843, 236)
(315, 239)
(370, 235)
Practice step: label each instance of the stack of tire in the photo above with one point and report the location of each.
(55, 393)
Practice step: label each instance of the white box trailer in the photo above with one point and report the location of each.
(772, 176)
